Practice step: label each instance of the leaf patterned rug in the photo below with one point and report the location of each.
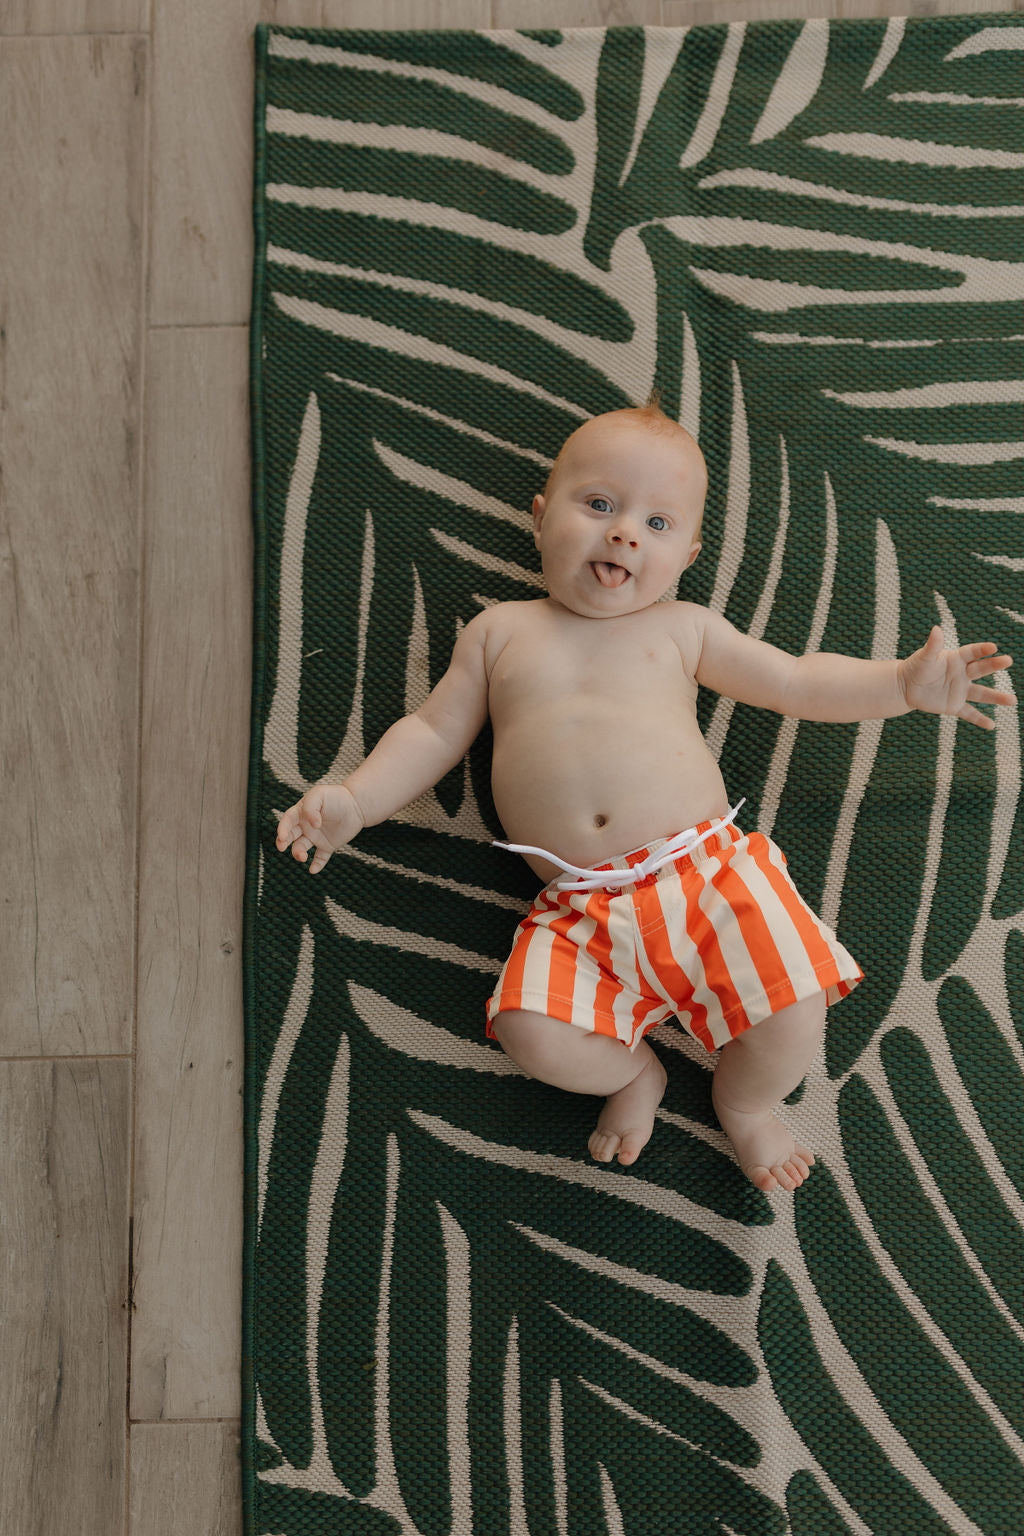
(810, 237)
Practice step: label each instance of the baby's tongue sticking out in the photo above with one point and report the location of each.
(610, 575)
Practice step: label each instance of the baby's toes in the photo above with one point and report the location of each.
(797, 1171)
(603, 1146)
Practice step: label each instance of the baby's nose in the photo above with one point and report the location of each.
(620, 538)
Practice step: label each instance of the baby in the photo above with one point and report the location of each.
(591, 693)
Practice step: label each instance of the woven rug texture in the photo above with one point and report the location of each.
(810, 237)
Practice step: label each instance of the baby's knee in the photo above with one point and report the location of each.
(567, 1056)
(530, 1039)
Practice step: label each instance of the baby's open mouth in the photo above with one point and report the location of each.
(610, 575)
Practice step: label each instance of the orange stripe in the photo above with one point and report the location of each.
(771, 968)
(716, 971)
(599, 947)
(509, 991)
(563, 954)
(818, 952)
(658, 950)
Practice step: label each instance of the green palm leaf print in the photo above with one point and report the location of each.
(807, 236)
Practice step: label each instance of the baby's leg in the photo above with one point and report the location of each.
(569, 1057)
(755, 1072)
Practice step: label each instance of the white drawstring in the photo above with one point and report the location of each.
(611, 879)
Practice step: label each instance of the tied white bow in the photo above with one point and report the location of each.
(611, 879)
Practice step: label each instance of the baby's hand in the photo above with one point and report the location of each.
(942, 682)
(326, 818)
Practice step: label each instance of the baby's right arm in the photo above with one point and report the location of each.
(413, 754)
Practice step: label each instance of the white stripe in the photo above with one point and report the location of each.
(512, 1392)
(672, 900)
(935, 396)
(771, 181)
(673, 903)
(537, 967)
(405, 138)
(954, 99)
(458, 1355)
(717, 99)
(797, 82)
(736, 954)
(461, 85)
(888, 51)
(373, 333)
(622, 963)
(661, 49)
(425, 477)
(586, 976)
(833, 945)
(980, 503)
(952, 453)
(295, 1013)
(416, 407)
(988, 40)
(881, 146)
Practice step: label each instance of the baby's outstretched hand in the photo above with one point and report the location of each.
(325, 819)
(943, 682)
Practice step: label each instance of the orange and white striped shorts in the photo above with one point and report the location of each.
(720, 937)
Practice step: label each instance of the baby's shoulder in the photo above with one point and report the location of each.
(493, 627)
(685, 623)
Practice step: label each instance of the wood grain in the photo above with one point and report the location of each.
(201, 163)
(186, 1480)
(196, 690)
(42, 17)
(64, 1318)
(72, 173)
(576, 13)
(403, 15)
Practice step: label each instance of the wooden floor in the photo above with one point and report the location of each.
(125, 560)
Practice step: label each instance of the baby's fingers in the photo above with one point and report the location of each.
(982, 666)
(287, 827)
(320, 857)
(975, 717)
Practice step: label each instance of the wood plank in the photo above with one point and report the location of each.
(70, 284)
(576, 13)
(194, 772)
(38, 17)
(64, 1319)
(402, 15)
(201, 163)
(678, 13)
(185, 1478)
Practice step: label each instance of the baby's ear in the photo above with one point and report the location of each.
(695, 550)
(538, 513)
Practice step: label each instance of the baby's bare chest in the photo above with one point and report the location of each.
(600, 669)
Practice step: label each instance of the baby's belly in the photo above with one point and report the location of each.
(588, 796)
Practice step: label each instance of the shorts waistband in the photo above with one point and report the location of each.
(630, 868)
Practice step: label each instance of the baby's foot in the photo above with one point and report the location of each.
(768, 1153)
(627, 1120)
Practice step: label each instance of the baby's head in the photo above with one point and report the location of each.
(619, 518)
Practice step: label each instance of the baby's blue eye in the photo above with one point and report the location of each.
(600, 504)
(657, 522)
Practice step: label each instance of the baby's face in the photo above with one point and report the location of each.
(618, 526)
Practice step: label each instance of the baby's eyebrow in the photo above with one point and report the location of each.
(599, 488)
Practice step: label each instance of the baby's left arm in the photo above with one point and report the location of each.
(941, 682)
(826, 686)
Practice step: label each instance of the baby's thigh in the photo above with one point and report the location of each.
(564, 1055)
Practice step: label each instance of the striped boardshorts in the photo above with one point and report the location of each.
(720, 937)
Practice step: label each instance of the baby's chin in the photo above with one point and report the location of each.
(618, 603)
